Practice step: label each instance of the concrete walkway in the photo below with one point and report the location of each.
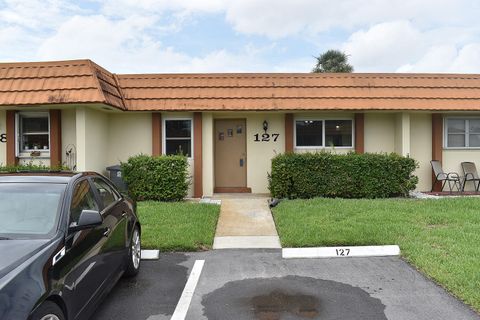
(245, 222)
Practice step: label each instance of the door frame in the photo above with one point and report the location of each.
(216, 189)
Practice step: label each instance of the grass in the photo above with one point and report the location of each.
(177, 226)
(439, 237)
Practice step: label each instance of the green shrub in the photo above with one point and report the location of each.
(163, 178)
(351, 175)
(31, 167)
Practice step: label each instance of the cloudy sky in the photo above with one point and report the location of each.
(129, 36)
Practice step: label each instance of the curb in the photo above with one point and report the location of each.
(150, 254)
(341, 252)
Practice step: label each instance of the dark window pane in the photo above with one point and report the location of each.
(456, 140)
(474, 125)
(83, 199)
(474, 141)
(309, 133)
(35, 142)
(178, 128)
(456, 125)
(34, 124)
(338, 133)
(180, 146)
(107, 195)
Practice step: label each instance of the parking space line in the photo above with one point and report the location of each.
(184, 303)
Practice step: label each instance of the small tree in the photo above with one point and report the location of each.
(332, 61)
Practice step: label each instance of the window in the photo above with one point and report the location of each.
(462, 133)
(83, 199)
(33, 132)
(107, 195)
(338, 133)
(323, 133)
(178, 137)
(309, 133)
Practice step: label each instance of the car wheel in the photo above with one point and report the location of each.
(48, 311)
(134, 255)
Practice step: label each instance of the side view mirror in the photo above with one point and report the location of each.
(88, 219)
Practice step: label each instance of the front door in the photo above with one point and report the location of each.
(230, 155)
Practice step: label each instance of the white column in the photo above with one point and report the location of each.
(80, 136)
(207, 154)
(402, 134)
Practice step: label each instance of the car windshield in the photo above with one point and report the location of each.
(29, 210)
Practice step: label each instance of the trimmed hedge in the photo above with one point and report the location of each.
(163, 178)
(351, 175)
(31, 167)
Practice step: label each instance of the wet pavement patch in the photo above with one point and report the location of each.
(291, 297)
(154, 291)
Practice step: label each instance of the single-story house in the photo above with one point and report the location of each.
(231, 124)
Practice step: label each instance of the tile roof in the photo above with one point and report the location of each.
(301, 91)
(57, 82)
(82, 81)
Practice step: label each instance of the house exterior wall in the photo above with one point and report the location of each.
(128, 135)
(207, 154)
(380, 132)
(92, 150)
(3, 130)
(69, 132)
(421, 148)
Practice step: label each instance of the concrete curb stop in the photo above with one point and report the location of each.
(150, 254)
(341, 252)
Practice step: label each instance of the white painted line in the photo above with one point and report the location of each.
(341, 252)
(184, 303)
(150, 254)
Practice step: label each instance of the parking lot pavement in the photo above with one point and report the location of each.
(152, 295)
(259, 284)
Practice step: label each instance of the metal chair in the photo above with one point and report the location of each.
(452, 178)
(471, 174)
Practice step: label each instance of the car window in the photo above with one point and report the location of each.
(107, 195)
(82, 199)
(29, 210)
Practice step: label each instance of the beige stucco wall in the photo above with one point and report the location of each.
(3, 130)
(129, 134)
(92, 139)
(421, 148)
(379, 132)
(207, 154)
(69, 139)
(453, 158)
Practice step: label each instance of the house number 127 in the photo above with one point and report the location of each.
(266, 137)
(3, 137)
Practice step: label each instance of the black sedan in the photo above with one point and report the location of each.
(65, 240)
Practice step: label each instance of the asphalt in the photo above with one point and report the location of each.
(259, 284)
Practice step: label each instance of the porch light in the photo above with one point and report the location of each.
(265, 125)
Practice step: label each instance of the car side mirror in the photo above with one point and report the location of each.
(88, 219)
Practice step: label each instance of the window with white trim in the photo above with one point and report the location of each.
(323, 133)
(33, 132)
(178, 137)
(462, 132)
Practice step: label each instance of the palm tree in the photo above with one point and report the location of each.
(332, 61)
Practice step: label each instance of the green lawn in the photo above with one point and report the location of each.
(440, 237)
(178, 226)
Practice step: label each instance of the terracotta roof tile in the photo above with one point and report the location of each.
(297, 91)
(83, 81)
(57, 82)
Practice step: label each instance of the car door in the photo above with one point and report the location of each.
(114, 214)
(84, 265)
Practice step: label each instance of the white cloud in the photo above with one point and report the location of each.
(384, 46)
